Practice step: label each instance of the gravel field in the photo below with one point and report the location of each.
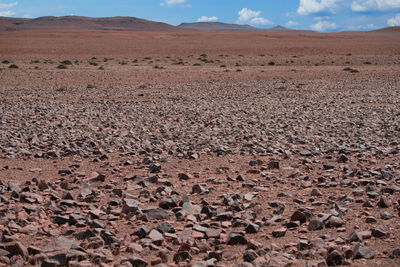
(199, 149)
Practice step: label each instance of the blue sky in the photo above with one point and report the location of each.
(320, 15)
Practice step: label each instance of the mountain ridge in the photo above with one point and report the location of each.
(126, 23)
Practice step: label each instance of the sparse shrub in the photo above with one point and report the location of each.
(5, 62)
(61, 89)
(196, 64)
(367, 63)
(223, 66)
(271, 63)
(90, 86)
(348, 54)
(143, 86)
(61, 67)
(36, 67)
(66, 62)
(101, 68)
(262, 55)
(13, 66)
(238, 70)
(203, 55)
(35, 61)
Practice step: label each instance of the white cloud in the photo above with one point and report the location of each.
(368, 5)
(322, 26)
(7, 6)
(5, 9)
(307, 7)
(248, 16)
(395, 21)
(207, 19)
(322, 18)
(7, 13)
(291, 23)
(363, 27)
(175, 2)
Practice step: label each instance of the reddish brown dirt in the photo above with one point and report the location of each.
(220, 107)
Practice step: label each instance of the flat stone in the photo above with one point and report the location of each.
(236, 239)
(279, 232)
(362, 251)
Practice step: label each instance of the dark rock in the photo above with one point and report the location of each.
(279, 232)
(15, 248)
(395, 253)
(362, 251)
(274, 164)
(137, 262)
(334, 258)
(380, 233)
(236, 239)
(249, 255)
(315, 224)
(84, 234)
(383, 203)
(165, 227)
(60, 220)
(182, 256)
(155, 168)
(252, 228)
(168, 203)
(158, 214)
(198, 189)
(298, 216)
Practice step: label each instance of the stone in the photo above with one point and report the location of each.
(380, 233)
(249, 255)
(182, 256)
(334, 222)
(279, 232)
(137, 262)
(236, 239)
(383, 203)
(252, 228)
(156, 237)
(315, 224)
(298, 216)
(155, 168)
(335, 258)
(362, 251)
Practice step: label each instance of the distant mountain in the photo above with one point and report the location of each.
(84, 23)
(136, 24)
(395, 29)
(280, 28)
(216, 26)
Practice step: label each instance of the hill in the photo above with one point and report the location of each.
(216, 26)
(84, 23)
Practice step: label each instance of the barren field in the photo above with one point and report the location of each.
(199, 149)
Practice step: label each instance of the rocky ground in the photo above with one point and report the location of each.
(235, 157)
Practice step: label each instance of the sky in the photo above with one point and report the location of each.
(318, 15)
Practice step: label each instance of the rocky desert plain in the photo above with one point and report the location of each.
(179, 148)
